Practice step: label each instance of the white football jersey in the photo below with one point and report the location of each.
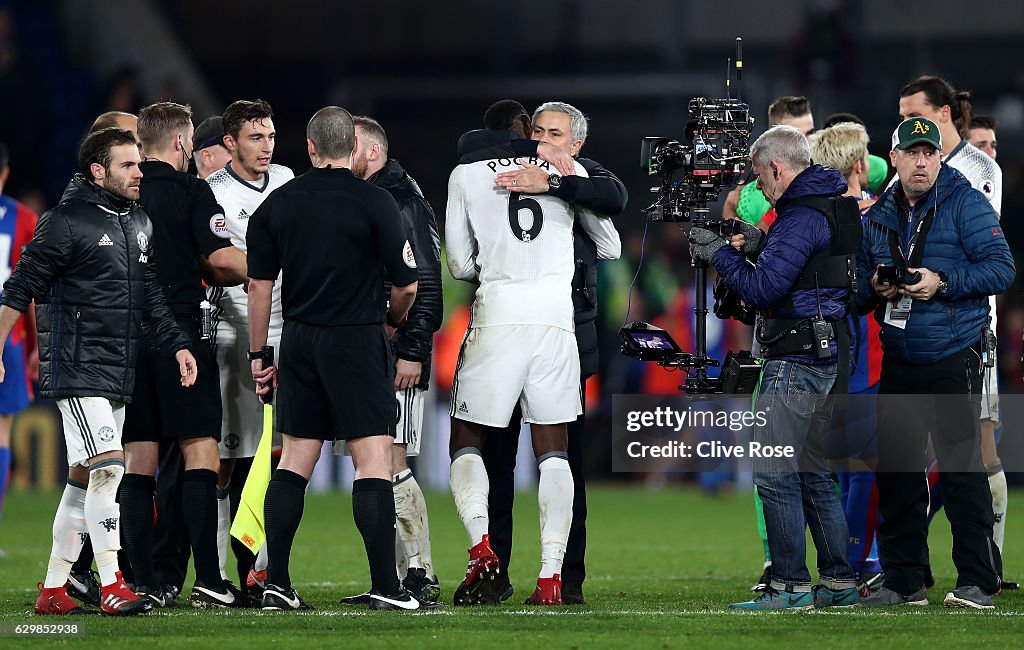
(978, 168)
(240, 198)
(986, 176)
(519, 246)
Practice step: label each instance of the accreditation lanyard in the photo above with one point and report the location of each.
(913, 235)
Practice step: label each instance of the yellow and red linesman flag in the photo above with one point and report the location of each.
(248, 526)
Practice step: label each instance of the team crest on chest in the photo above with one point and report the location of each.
(143, 247)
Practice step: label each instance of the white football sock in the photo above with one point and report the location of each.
(102, 516)
(470, 488)
(413, 525)
(997, 484)
(223, 528)
(554, 494)
(69, 533)
(261, 558)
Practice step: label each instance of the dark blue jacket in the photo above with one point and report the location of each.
(797, 234)
(965, 242)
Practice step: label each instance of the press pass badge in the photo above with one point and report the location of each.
(898, 315)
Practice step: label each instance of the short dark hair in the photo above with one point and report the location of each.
(5, 156)
(332, 132)
(107, 120)
(242, 111)
(97, 145)
(938, 92)
(159, 121)
(374, 129)
(789, 106)
(500, 115)
(977, 122)
(839, 118)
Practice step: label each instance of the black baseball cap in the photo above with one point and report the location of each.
(209, 132)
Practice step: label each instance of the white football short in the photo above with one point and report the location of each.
(92, 426)
(537, 366)
(242, 424)
(409, 429)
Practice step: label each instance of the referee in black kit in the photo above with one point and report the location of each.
(184, 213)
(332, 236)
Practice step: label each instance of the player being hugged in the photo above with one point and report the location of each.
(519, 348)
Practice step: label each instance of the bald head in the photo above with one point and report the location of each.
(116, 119)
(331, 133)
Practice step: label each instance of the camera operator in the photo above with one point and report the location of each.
(795, 286)
(932, 223)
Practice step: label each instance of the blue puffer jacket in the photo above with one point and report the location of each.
(965, 242)
(797, 234)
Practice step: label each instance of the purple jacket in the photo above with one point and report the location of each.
(797, 234)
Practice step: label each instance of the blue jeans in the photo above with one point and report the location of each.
(796, 489)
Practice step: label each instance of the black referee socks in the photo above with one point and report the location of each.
(199, 501)
(373, 507)
(282, 510)
(136, 500)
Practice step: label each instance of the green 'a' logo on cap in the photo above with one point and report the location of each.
(919, 127)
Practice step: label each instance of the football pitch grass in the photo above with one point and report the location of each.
(663, 568)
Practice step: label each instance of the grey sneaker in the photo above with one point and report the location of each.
(886, 597)
(970, 597)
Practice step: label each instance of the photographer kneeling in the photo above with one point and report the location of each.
(801, 284)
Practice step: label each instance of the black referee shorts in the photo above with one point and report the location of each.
(335, 383)
(161, 408)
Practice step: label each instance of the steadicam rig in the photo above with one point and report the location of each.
(693, 174)
(712, 160)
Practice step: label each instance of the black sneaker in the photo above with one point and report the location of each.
(359, 599)
(84, 587)
(763, 583)
(419, 585)
(277, 599)
(1006, 585)
(223, 595)
(404, 600)
(503, 587)
(572, 594)
(158, 596)
(172, 591)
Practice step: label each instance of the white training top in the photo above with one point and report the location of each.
(240, 198)
(519, 246)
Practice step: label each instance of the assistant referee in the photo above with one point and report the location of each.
(184, 213)
(332, 236)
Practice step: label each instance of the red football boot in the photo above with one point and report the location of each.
(255, 583)
(55, 601)
(479, 586)
(118, 600)
(548, 592)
